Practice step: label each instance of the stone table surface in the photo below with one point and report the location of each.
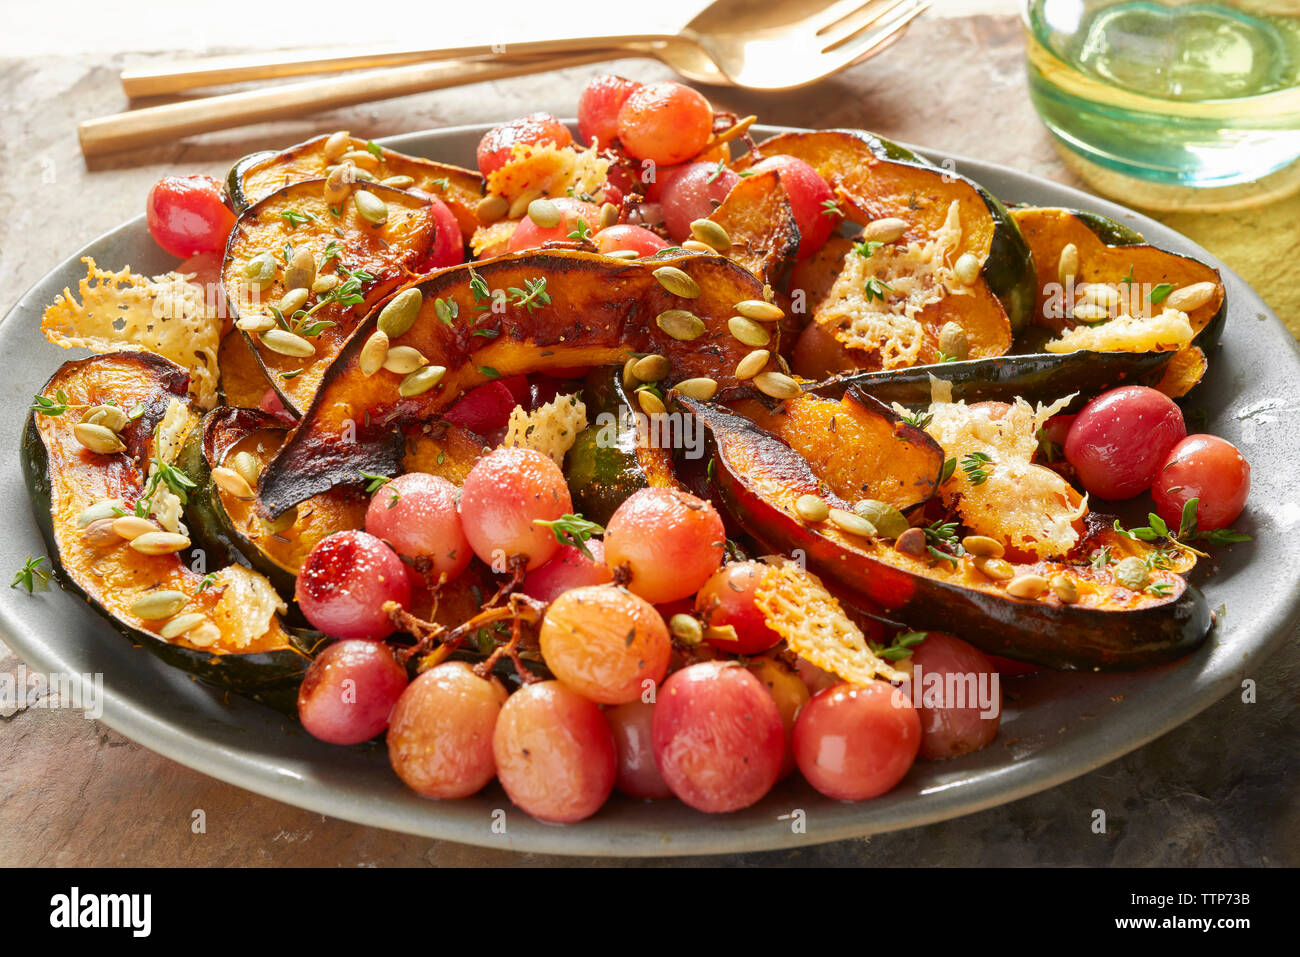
(1219, 790)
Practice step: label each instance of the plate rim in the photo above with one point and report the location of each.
(1014, 780)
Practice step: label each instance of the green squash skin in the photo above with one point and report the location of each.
(1009, 267)
(600, 479)
(1040, 377)
(235, 179)
(1065, 637)
(271, 678)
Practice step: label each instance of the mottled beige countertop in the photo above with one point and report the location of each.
(1212, 792)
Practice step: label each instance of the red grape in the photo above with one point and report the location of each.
(1207, 468)
(554, 752)
(272, 404)
(790, 694)
(498, 143)
(854, 742)
(187, 215)
(1119, 440)
(638, 776)
(605, 643)
(668, 540)
(483, 410)
(944, 667)
(348, 691)
(345, 581)
(727, 599)
(665, 122)
(717, 736)
(507, 492)
(448, 247)
(416, 514)
(440, 733)
(599, 104)
(808, 194)
(528, 235)
(570, 568)
(692, 193)
(625, 236)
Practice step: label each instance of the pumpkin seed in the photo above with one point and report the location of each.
(421, 381)
(100, 534)
(650, 403)
(97, 438)
(885, 230)
(651, 368)
(292, 301)
(984, 546)
(1090, 312)
(491, 208)
(1027, 586)
(678, 282)
(686, 629)
(777, 384)
(324, 284)
(338, 184)
(109, 416)
(629, 374)
(373, 353)
(302, 270)
(370, 207)
(954, 342)
(396, 318)
(133, 526)
(157, 605)
(748, 331)
(680, 324)
(811, 508)
(888, 520)
(363, 158)
(711, 234)
(1064, 588)
(181, 624)
(159, 543)
(287, 344)
(966, 269)
(398, 182)
(752, 364)
(702, 388)
(205, 635)
(1100, 294)
(522, 202)
(361, 174)
(622, 254)
(1190, 297)
(911, 542)
(852, 523)
(100, 510)
(281, 523)
(228, 480)
(695, 246)
(260, 270)
(1067, 267)
(995, 568)
(257, 323)
(759, 310)
(404, 360)
(544, 213)
(608, 215)
(1132, 573)
(337, 144)
(247, 466)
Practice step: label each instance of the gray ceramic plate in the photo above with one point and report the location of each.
(1056, 726)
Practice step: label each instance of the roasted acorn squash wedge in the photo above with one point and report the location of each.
(258, 175)
(366, 261)
(878, 179)
(759, 479)
(757, 217)
(65, 479)
(508, 316)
